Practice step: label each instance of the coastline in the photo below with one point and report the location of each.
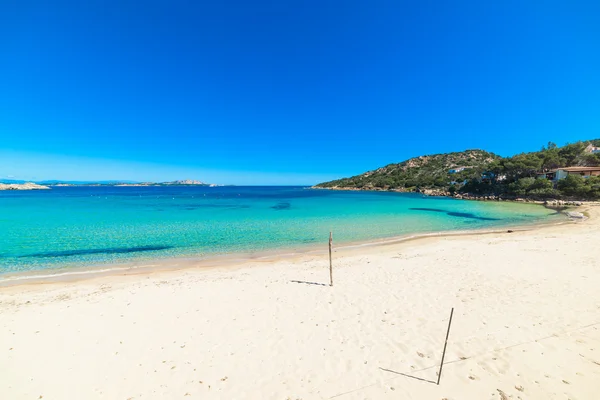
(525, 324)
(549, 203)
(235, 259)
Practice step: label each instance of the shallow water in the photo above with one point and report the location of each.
(80, 226)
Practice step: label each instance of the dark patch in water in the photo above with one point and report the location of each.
(212, 206)
(455, 214)
(223, 206)
(281, 206)
(110, 250)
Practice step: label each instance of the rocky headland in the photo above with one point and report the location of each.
(526, 176)
(22, 186)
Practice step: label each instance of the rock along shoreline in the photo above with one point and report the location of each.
(550, 203)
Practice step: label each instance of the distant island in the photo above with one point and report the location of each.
(21, 185)
(186, 182)
(568, 172)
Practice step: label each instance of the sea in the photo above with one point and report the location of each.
(66, 228)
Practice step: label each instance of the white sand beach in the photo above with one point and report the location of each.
(526, 325)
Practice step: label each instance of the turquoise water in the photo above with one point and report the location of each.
(70, 227)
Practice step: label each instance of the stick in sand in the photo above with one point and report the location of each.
(330, 263)
(445, 343)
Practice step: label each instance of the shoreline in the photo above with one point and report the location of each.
(551, 203)
(525, 324)
(239, 259)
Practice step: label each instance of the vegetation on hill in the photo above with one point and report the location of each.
(483, 173)
(424, 171)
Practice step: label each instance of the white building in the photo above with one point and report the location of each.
(457, 169)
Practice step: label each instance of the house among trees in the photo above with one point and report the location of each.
(456, 170)
(561, 173)
(592, 149)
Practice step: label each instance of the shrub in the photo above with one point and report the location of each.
(572, 185)
(540, 187)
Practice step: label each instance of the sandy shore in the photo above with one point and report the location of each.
(526, 325)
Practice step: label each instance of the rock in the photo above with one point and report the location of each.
(22, 186)
(575, 214)
(435, 192)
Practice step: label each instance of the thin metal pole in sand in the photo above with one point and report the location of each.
(445, 343)
(330, 262)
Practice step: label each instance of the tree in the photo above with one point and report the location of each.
(551, 158)
(591, 160)
(572, 152)
(540, 187)
(573, 185)
(593, 183)
(521, 166)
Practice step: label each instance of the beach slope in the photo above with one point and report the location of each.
(526, 325)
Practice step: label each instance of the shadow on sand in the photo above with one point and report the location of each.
(311, 283)
(408, 376)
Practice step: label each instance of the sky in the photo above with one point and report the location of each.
(286, 92)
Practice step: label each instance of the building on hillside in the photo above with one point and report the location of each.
(592, 149)
(550, 175)
(586, 172)
(490, 177)
(457, 169)
(562, 173)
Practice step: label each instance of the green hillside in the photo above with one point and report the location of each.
(481, 172)
(424, 171)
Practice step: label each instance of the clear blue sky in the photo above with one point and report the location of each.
(290, 92)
